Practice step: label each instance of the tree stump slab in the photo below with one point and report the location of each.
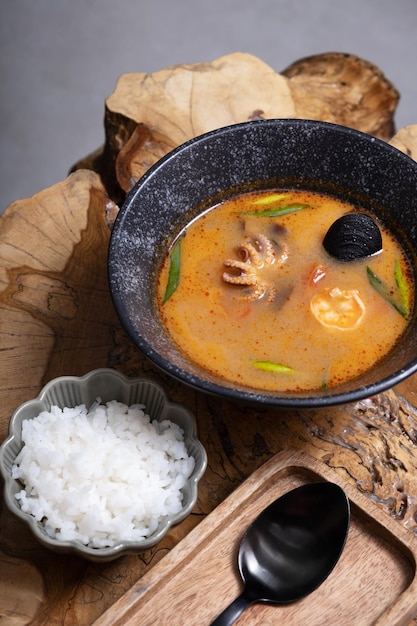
(148, 115)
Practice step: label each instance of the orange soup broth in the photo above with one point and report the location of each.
(225, 329)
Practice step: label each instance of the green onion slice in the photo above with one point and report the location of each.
(270, 198)
(384, 291)
(174, 271)
(276, 211)
(269, 366)
(403, 288)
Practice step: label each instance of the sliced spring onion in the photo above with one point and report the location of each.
(384, 291)
(269, 366)
(174, 271)
(270, 198)
(276, 210)
(403, 288)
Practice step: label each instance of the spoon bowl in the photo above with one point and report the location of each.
(291, 547)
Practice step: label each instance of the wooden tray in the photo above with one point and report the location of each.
(374, 582)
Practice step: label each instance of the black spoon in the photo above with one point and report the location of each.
(291, 547)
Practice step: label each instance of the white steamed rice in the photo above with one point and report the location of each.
(102, 475)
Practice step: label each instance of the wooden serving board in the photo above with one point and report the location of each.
(374, 582)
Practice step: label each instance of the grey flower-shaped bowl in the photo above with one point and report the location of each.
(106, 384)
(262, 154)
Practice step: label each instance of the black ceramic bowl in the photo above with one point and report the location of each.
(257, 155)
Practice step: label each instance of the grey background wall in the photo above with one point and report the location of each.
(60, 59)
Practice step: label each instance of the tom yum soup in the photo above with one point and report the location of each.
(288, 291)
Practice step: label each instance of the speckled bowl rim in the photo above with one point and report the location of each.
(121, 243)
(79, 389)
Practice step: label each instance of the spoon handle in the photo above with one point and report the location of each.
(232, 612)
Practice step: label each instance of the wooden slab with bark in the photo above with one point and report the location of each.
(149, 114)
(57, 317)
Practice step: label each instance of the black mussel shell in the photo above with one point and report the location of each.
(353, 236)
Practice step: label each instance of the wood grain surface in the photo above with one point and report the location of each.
(200, 578)
(57, 317)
